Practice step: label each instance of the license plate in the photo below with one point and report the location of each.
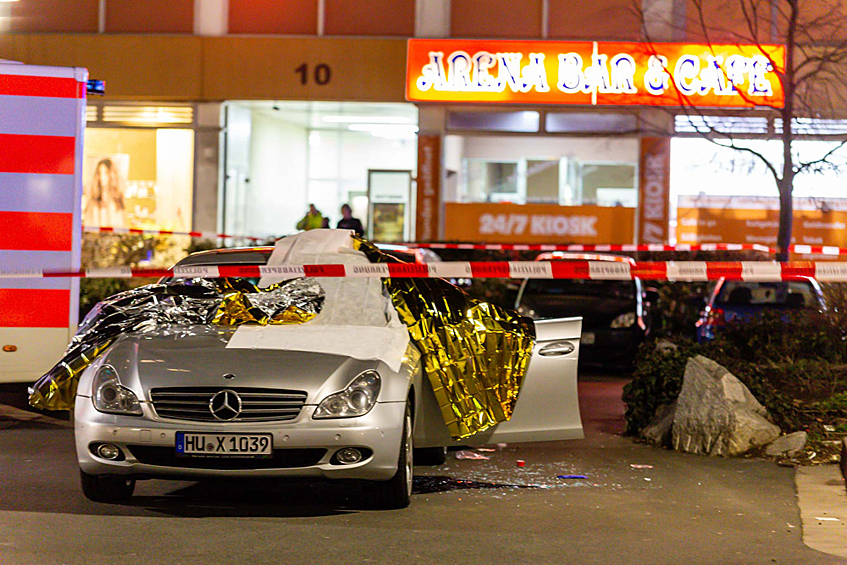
(224, 445)
(587, 338)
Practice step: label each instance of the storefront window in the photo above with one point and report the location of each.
(540, 188)
(565, 181)
(609, 184)
(491, 180)
(138, 172)
(138, 178)
(542, 181)
(283, 156)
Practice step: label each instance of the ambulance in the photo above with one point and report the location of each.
(42, 122)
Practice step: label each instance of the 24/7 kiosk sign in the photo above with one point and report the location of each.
(602, 73)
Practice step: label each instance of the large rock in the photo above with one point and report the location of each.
(716, 414)
(659, 429)
(787, 445)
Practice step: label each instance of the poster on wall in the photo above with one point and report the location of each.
(389, 194)
(389, 222)
(104, 201)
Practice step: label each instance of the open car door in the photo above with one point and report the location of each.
(548, 404)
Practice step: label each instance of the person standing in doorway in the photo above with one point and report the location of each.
(312, 220)
(348, 222)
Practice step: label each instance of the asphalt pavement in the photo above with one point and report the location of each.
(681, 509)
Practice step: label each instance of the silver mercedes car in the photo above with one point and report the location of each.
(192, 405)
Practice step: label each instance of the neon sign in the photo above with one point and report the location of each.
(620, 73)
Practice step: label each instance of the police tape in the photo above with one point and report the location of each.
(761, 271)
(138, 231)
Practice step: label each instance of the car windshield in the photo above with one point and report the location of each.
(578, 287)
(351, 301)
(789, 294)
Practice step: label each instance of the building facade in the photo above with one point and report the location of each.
(234, 115)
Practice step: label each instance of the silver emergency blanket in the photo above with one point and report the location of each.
(179, 307)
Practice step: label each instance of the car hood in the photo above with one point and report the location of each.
(596, 311)
(145, 362)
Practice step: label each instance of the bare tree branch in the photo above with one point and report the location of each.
(822, 160)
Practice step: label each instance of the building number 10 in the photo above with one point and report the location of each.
(320, 75)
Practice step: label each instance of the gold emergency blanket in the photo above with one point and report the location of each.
(176, 307)
(475, 354)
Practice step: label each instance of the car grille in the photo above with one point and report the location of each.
(281, 459)
(257, 404)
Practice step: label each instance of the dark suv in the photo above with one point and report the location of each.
(737, 301)
(616, 315)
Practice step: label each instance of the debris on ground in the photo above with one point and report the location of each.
(431, 484)
(634, 466)
(571, 477)
(471, 456)
(788, 445)
(520, 462)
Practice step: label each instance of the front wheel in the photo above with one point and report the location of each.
(106, 489)
(397, 491)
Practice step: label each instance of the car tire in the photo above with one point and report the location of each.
(397, 491)
(430, 455)
(106, 489)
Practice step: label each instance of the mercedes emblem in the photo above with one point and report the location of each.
(225, 405)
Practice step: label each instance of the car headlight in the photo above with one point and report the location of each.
(110, 396)
(355, 400)
(625, 320)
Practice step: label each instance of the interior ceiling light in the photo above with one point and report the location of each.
(366, 120)
(399, 128)
(388, 131)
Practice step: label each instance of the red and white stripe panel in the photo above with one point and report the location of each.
(42, 113)
(597, 270)
(42, 119)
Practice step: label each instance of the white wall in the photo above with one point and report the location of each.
(454, 147)
(609, 149)
(699, 166)
(174, 177)
(339, 162)
(277, 189)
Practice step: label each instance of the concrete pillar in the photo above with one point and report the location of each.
(432, 18)
(432, 122)
(663, 20)
(207, 166)
(211, 17)
(5, 16)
